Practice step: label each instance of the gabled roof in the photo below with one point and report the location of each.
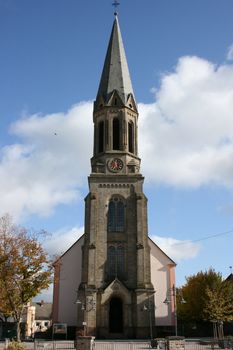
(156, 246)
(81, 237)
(115, 74)
(63, 254)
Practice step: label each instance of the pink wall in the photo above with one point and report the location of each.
(163, 277)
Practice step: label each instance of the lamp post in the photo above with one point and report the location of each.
(171, 298)
(87, 305)
(149, 307)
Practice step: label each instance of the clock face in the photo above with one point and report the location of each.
(115, 165)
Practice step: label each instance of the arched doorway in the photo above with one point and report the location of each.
(116, 316)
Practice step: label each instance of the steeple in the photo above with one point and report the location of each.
(116, 273)
(115, 75)
(115, 114)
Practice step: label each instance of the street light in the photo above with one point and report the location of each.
(87, 305)
(149, 307)
(171, 298)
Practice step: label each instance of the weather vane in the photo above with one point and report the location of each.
(115, 4)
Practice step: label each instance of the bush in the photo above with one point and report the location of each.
(14, 345)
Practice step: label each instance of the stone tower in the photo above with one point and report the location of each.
(116, 277)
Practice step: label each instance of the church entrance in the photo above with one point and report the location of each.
(116, 316)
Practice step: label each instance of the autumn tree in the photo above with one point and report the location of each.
(207, 298)
(25, 269)
(220, 302)
(195, 294)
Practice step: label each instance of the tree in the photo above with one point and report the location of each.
(195, 294)
(25, 268)
(220, 302)
(207, 298)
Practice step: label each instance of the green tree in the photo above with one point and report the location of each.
(25, 269)
(196, 296)
(207, 298)
(220, 302)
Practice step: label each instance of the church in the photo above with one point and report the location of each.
(112, 282)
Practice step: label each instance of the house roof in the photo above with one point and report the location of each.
(230, 278)
(43, 310)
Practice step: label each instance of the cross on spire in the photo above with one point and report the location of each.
(115, 4)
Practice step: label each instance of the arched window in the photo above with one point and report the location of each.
(101, 137)
(131, 137)
(116, 134)
(116, 262)
(116, 215)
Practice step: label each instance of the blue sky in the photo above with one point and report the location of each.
(180, 56)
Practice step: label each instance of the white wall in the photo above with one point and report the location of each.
(162, 276)
(70, 278)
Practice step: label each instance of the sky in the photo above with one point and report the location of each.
(180, 56)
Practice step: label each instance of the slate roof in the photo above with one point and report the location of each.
(43, 310)
(115, 74)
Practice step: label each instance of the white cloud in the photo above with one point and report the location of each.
(187, 134)
(185, 140)
(177, 250)
(60, 241)
(47, 167)
(230, 53)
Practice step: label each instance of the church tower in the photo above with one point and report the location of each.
(116, 274)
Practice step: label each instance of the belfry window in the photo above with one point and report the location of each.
(131, 137)
(116, 215)
(116, 134)
(116, 262)
(101, 137)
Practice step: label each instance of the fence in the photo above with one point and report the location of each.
(122, 345)
(54, 345)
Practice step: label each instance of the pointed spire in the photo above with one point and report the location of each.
(115, 75)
